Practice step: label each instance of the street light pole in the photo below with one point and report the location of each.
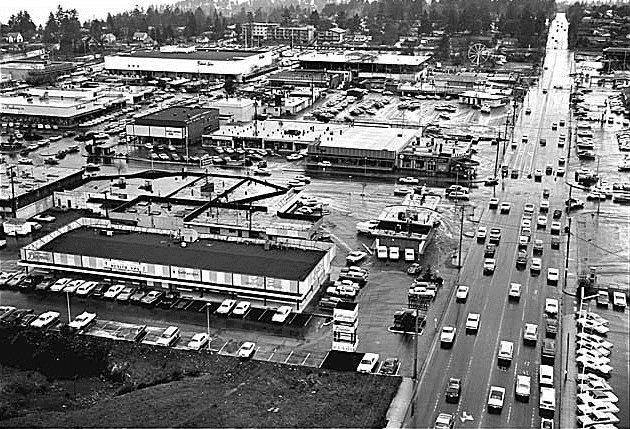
(68, 304)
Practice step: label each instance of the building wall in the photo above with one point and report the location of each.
(187, 67)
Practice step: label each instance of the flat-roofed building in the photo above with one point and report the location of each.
(191, 64)
(30, 191)
(259, 33)
(359, 62)
(62, 107)
(281, 273)
(177, 125)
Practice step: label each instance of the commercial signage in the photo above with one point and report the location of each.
(252, 281)
(183, 273)
(123, 266)
(277, 285)
(173, 133)
(39, 256)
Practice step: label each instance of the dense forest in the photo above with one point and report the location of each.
(384, 20)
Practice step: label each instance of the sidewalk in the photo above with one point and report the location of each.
(568, 385)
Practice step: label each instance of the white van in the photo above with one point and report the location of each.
(545, 375)
(169, 337)
(547, 399)
(381, 252)
(394, 253)
(506, 349)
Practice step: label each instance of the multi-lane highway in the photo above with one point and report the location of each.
(473, 358)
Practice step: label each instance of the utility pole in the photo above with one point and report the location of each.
(566, 254)
(597, 175)
(13, 198)
(415, 350)
(461, 238)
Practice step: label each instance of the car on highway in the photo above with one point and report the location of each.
(472, 322)
(246, 350)
(538, 175)
(551, 327)
(505, 208)
(389, 367)
(453, 390)
(496, 397)
(489, 265)
(241, 308)
(555, 243)
(489, 251)
(530, 334)
(515, 292)
(226, 306)
(536, 266)
(495, 235)
(482, 232)
(368, 363)
(538, 247)
(506, 350)
(545, 375)
(444, 421)
(551, 307)
(462, 293)
(523, 242)
(447, 336)
(544, 206)
(541, 222)
(528, 209)
(494, 203)
(553, 274)
(198, 341)
(521, 259)
(522, 388)
(526, 223)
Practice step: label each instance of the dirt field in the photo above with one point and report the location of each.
(144, 386)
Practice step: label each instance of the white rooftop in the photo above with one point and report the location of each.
(365, 57)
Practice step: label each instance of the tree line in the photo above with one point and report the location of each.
(384, 20)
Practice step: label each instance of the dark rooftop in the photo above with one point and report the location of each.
(249, 259)
(197, 55)
(173, 116)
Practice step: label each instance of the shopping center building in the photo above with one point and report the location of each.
(283, 272)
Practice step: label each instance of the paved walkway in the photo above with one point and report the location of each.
(569, 383)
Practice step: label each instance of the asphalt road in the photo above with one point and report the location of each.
(473, 358)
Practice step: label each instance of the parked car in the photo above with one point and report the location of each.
(198, 341)
(45, 320)
(281, 314)
(113, 291)
(247, 350)
(226, 306)
(368, 363)
(389, 367)
(82, 321)
(152, 298)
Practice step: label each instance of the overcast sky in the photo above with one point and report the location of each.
(88, 9)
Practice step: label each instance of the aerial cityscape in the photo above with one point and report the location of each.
(291, 213)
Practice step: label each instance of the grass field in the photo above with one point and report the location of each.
(160, 387)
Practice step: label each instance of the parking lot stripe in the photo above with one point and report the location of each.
(221, 349)
(304, 361)
(270, 356)
(288, 357)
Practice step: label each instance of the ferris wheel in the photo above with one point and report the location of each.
(478, 54)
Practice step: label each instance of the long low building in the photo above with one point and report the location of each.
(284, 272)
(364, 62)
(225, 64)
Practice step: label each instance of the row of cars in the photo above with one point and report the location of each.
(168, 337)
(129, 294)
(522, 383)
(346, 288)
(595, 402)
